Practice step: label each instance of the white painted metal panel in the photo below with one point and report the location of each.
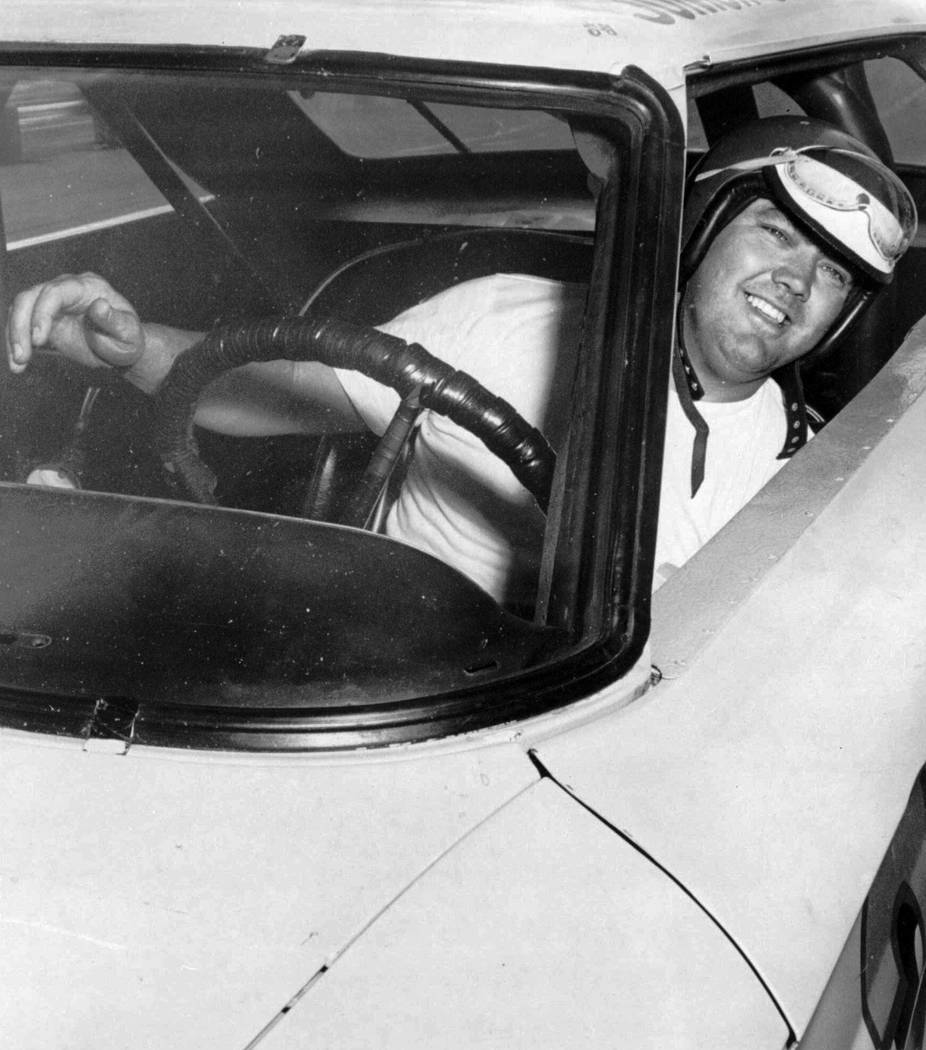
(660, 36)
(161, 899)
(541, 930)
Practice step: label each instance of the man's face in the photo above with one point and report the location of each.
(763, 296)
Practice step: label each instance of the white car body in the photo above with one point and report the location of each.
(672, 863)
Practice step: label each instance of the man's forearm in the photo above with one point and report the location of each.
(162, 346)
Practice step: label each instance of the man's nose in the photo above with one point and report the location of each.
(796, 272)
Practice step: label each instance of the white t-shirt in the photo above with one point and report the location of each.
(743, 443)
(518, 335)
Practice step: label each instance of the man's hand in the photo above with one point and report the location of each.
(80, 317)
(84, 319)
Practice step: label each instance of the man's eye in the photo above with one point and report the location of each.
(836, 275)
(777, 232)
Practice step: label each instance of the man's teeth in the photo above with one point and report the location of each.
(764, 307)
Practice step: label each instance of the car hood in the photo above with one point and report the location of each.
(185, 898)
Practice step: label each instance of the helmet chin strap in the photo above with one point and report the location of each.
(792, 389)
(690, 390)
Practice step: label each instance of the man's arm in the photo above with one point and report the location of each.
(84, 319)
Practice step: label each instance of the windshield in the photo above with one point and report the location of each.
(348, 510)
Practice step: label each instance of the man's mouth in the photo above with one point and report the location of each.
(768, 310)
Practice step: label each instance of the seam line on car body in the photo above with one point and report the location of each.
(545, 773)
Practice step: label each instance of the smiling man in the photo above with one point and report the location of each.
(790, 226)
(764, 294)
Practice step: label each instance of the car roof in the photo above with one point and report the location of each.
(663, 37)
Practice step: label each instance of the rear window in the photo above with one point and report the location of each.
(367, 126)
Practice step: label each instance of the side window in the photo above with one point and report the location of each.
(61, 168)
(900, 96)
(416, 129)
(773, 102)
(770, 102)
(697, 139)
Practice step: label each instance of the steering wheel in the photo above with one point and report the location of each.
(406, 367)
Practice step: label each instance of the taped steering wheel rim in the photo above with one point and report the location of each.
(403, 366)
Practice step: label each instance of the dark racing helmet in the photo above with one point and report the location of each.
(835, 189)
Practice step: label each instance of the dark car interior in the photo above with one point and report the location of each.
(265, 217)
(262, 245)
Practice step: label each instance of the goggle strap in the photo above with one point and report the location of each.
(783, 155)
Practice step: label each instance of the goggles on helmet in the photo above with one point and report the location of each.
(855, 204)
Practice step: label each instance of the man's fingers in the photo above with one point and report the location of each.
(81, 317)
(50, 303)
(17, 357)
(115, 336)
(19, 330)
(34, 315)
